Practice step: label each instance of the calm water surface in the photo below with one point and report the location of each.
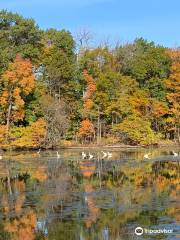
(42, 197)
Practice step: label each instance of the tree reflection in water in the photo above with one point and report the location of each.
(48, 198)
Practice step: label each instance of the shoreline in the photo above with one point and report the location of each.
(120, 146)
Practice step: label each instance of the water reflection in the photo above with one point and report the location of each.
(42, 197)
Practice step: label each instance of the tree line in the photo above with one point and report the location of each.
(55, 90)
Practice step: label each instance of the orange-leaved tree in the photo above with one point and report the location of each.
(91, 86)
(87, 128)
(17, 82)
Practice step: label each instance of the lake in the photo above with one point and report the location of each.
(45, 197)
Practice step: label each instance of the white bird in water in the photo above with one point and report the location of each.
(109, 155)
(104, 154)
(38, 152)
(146, 156)
(83, 155)
(85, 198)
(175, 154)
(58, 155)
(90, 156)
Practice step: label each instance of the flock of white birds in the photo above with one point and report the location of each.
(90, 156)
(105, 155)
(146, 156)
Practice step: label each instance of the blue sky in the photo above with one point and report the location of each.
(123, 20)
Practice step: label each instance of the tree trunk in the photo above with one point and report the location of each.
(9, 184)
(8, 116)
(98, 127)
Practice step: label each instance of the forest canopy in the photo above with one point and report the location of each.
(55, 90)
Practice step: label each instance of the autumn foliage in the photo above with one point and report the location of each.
(17, 81)
(54, 94)
(91, 86)
(86, 127)
(173, 94)
(31, 136)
